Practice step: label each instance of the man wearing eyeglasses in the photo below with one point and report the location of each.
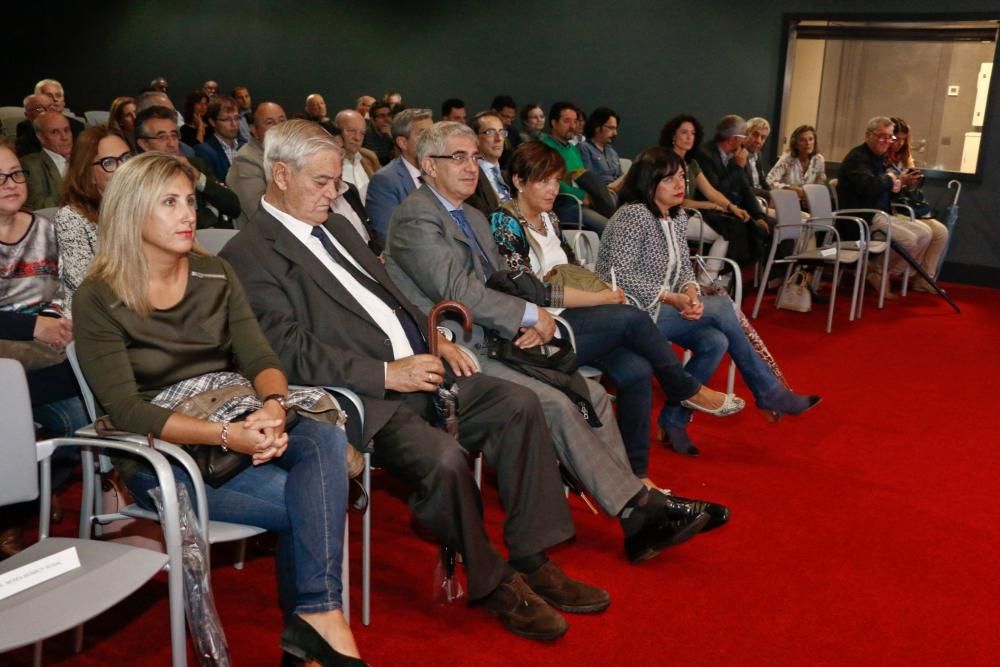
(438, 249)
(491, 189)
(47, 167)
(35, 105)
(863, 181)
(156, 130)
(218, 151)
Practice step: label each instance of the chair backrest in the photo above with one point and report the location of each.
(820, 205)
(19, 471)
(626, 164)
(585, 245)
(97, 118)
(786, 206)
(214, 240)
(88, 396)
(9, 118)
(48, 213)
(832, 185)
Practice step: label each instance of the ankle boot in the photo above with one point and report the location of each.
(780, 401)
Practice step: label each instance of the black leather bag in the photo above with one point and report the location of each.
(557, 369)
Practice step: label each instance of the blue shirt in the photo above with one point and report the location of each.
(605, 164)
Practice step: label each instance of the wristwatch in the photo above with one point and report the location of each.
(280, 399)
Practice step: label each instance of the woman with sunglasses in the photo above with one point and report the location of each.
(97, 153)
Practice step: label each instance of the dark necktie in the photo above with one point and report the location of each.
(485, 265)
(410, 327)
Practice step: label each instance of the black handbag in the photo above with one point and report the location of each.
(557, 369)
(522, 284)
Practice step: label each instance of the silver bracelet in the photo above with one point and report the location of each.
(224, 436)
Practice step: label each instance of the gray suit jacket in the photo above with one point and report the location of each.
(430, 260)
(44, 181)
(322, 335)
(246, 178)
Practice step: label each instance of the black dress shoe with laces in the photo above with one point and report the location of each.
(718, 514)
(659, 532)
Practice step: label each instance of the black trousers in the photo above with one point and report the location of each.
(505, 422)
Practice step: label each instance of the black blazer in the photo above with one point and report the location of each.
(761, 175)
(319, 331)
(731, 180)
(353, 197)
(862, 182)
(484, 198)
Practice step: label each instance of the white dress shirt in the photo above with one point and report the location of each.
(355, 174)
(344, 208)
(383, 315)
(414, 172)
(59, 160)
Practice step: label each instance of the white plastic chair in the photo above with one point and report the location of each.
(108, 571)
(213, 240)
(831, 251)
(585, 244)
(97, 118)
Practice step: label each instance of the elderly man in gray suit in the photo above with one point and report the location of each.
(438, 249)
(334, 317)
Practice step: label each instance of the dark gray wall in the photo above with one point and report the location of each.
(648, 60)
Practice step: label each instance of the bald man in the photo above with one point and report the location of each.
(359, 163)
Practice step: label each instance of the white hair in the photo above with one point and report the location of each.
(47, 82)
(756, 122)
(877, 122)
(433, 139)
(295, 141)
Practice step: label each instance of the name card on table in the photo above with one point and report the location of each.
(38, 571)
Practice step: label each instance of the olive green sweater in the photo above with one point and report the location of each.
(128, 359)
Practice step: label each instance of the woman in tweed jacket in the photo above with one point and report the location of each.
(646, 245)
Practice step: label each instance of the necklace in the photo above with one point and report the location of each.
(541, 229)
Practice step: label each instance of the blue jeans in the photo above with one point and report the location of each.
(302, 496)
(61, 419)
(623, 342)
(708, 338)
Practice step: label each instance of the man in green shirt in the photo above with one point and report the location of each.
(578, 182)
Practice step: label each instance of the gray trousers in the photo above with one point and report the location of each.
(595, 455)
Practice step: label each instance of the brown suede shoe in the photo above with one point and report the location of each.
(524, 613)
(575, 597)
(11, 542)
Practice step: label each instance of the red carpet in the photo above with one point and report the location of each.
(863, 533)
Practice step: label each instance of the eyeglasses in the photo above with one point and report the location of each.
(610, 127)
(884, 137)
(384, 114)
(41, 109)
(227, 119)
(492, 133)
(163, 136)
(459, 157)
(19, 176)
(110, 163)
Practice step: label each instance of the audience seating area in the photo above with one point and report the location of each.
(857, 535)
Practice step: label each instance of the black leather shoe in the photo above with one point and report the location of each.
(301, 641)
(658, 534)
(718, 514)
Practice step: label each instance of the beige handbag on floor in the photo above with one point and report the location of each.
(795, 294)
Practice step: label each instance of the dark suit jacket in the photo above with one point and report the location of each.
(485, 197)
(728, 179)
(761, 175)
(353, 197)
(862, 182)
(388, 187)
(221, 198)
(212, 153)
(322, 335)
(27, 141)
(44, 181)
